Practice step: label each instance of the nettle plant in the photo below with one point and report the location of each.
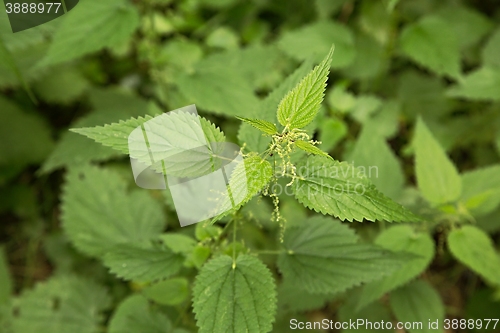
(239, 284)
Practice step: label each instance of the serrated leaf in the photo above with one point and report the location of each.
(431, 43)
(97, 212)
(316, 39)
(475, 249)
(262, 125)
(399, 239)
(437, 176)
(135, 315)
(168, 292)
(267, 110)
(372, 153)
(322, 256)
(417, 303)
(184, 143)
(248, 177)
(481, 84)
(234, 297)
(481, 190)
(299, 107)
(142, 262)
(340, 189)
(113, 135)
(61, 305)
(310, 148)
(491, 50)
(93, 26)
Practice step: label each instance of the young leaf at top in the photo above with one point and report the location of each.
(299, 107)
(475, 249)
(234, 297)
(310, 148)
(262, 125)
(437, 177)
(322, 256)
(344, 191)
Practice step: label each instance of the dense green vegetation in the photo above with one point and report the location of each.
(372, 167)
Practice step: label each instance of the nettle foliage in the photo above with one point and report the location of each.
(234, 291)
(411, 84)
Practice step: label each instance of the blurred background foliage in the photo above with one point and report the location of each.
(110, 60)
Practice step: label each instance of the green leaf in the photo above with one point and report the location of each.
(481, 84)
(481, 190)
(93, 26)
(217, 88)
(432, 43)
(316, 39)
(113, 135)
(472, 247)
(332, 130)
(135, 315)
(468, 24)
(266, 110)
(259, 65)
(437, 176)
(175, 141)
(234, 297)
(418, 303)
(142, 263)
(371, 59)
(299, 107)
(322, 256)
(62, 84)
(5, 278)
(27, 132)
(294, 300)
(97, 212)
(310, 148)
(11, 66)
(168, 292)
(250, 177)
(491, 50)
(61, 305)
(372, 152)
(179, 243)
(400, 239)
(340, 189)
(261, 125)
(423, 95)
(374, 312)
